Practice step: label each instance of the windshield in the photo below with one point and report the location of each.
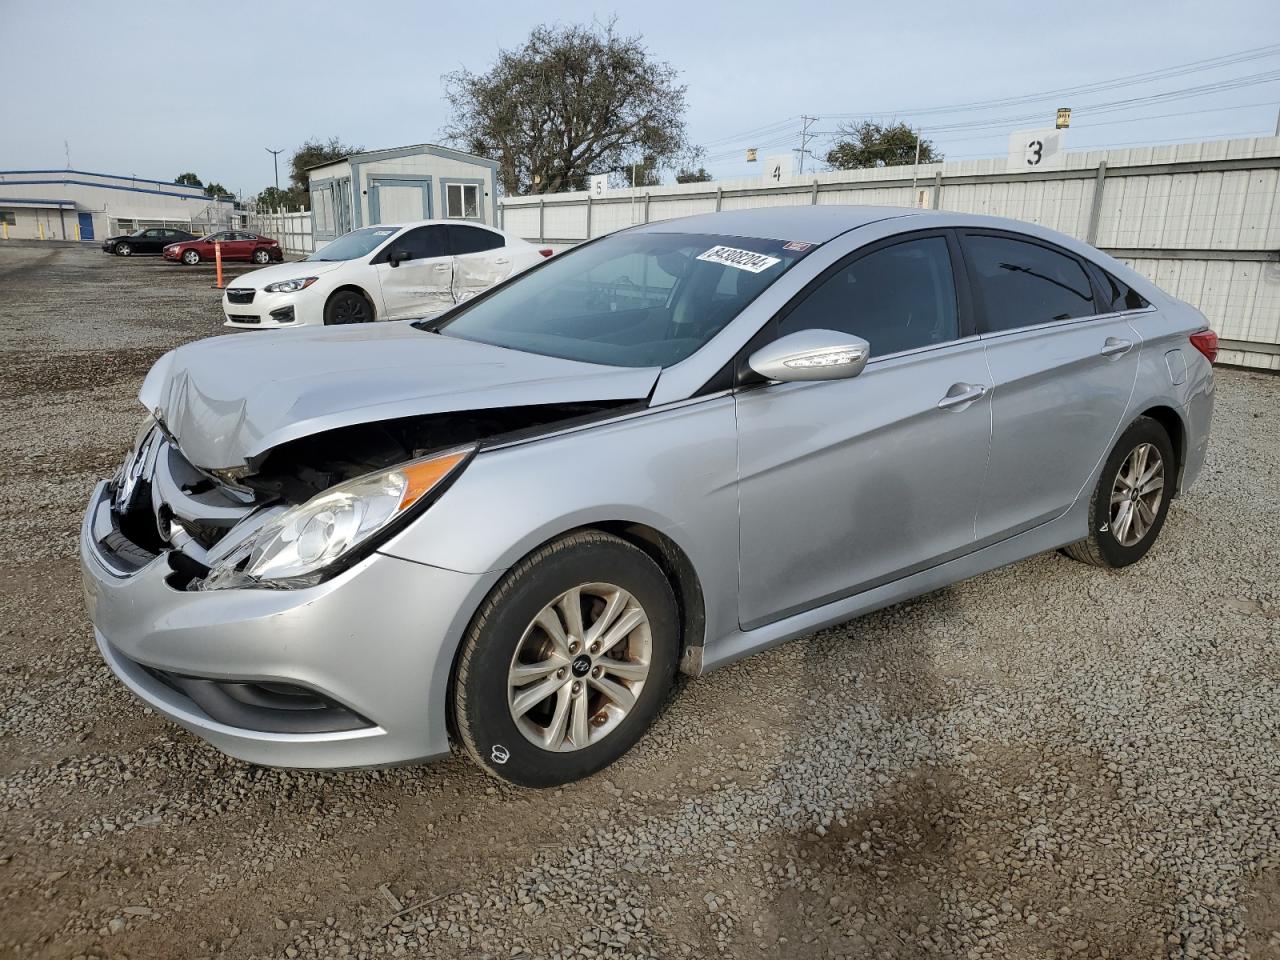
(629, 300)
(355, 244)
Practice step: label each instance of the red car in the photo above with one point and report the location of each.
(235, 244)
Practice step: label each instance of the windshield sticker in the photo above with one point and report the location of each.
(797, 245)
(383, 233)
(739, 259)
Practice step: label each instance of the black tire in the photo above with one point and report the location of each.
(261, 256)
(122, 250)
(347, 306)
(1102, 548)
(480, 703)
(190, 257)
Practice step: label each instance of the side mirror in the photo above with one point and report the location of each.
(812, 355)
(398, 257)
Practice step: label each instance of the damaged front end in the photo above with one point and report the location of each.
(307, 509)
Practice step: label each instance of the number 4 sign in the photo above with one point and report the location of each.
(1035, 150)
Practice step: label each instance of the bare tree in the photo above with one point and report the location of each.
(571, 102)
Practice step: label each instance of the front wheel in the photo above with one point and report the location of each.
(190, 257)
(1131, 500)
(124, 250)
(566, 664)
(261, 256)
(347, 306)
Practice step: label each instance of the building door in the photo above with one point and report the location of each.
(399, 199)
(86, 225)
(342, 205)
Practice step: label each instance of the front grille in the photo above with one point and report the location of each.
(243, 318)
(235, 295)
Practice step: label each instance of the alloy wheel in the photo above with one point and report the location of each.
(124, 249)
(191, 257)
(1136, 494)
(579, 667)
(261, 256)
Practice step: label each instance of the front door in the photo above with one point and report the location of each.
(86, 225)
(421, 285)
(399, 199)
(1063, 376)
(846, 485)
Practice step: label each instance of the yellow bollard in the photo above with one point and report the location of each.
(40, 227)
(77, 233)
(4, 227)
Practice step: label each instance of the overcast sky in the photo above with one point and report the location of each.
(157, 89)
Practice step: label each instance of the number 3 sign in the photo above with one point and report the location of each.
(1035, 150)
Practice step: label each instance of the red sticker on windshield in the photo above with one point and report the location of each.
(798, 245)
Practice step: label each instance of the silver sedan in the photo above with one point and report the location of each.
(512, 524)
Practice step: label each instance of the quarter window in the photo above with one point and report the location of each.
(897, 298)
(462, 201)
(1122, 296)
(1022, 284)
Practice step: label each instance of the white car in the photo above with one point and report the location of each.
(386, 272)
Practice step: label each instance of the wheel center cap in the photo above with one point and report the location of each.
(581, 665)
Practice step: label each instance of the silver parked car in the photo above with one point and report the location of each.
(664, 450)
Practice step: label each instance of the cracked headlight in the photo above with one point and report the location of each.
(290, 286)
(296, 548)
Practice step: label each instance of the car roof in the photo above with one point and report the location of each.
(809, 224)
(432, 223)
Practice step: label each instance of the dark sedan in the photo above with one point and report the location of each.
(150, 241)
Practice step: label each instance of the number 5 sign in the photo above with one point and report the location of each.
(1035, 150)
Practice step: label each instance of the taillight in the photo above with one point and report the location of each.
(1206, 341)
(546, 251)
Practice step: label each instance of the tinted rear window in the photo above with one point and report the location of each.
(1021, 284)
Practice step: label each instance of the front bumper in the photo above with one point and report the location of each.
(272, 310)
(378, 639)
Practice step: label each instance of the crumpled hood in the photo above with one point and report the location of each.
(257, 279)
(228, 400)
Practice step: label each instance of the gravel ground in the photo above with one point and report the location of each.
(1046, 761)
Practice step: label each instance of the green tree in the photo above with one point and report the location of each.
(571, 101)
(312, 154)
(217, 190)
(189, 179)
(289, 198)
(870, 144)
(688, 175)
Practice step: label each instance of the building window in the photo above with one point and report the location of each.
(462, 201)
(9, 217)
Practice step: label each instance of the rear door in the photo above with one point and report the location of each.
(480, 259)
(421, 285)
(1063, 370)
(849, 484)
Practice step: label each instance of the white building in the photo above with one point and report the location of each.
(419, 182)
(78, 205)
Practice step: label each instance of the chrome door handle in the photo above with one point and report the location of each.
(962, 394)
(1115, 347)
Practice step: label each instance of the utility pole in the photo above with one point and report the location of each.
(805, 137)
(1278, 123)
(915, 171)
(275, 160)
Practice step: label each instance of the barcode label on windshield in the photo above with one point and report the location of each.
(739, 259)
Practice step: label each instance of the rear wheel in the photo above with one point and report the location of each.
(567, 662)
(1131, 501)
(190, 257)
(347, 306)
(261, 256)
(124, 250)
